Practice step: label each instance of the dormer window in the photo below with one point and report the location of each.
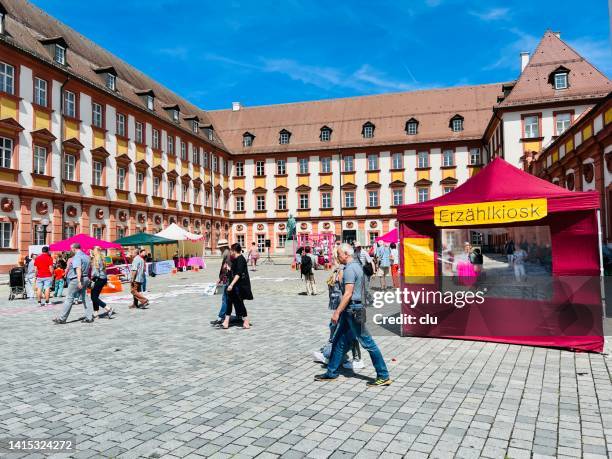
(412, 126)
(173, 111)
(325, 134)
(175, 116)
(150, 102)
(60, 55)
(367, 131)
(247, 139)
(561, 81)
(111, 81)
(148, 98)
(559, 78)
(284, 137)
(456, 123)
(2, 17)
(210, 132)
(195, 126)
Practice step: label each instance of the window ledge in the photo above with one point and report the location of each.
(9, 250)
(372, 207)
(349, 208)
(373, 170)
(98, 129)
(42, 176)
(261, 211)
(304, 210)
(72, 182)
(303, 174)
(475, 165)
(99, 187)
(428, 168)
(448, 167)
(326, 208)
(325, 174)
(237, 176)
(10, 96)
(347, 172)
(72, 118)
(281, 210)
(531, 139)
(240, 212)
(401, 169)
(42, 108)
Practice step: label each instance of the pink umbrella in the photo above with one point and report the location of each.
(389, 237)
(87, 243)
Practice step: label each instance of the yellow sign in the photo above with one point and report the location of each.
(419, 259)
(489, 213)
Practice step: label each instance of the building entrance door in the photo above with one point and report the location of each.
(349, 236)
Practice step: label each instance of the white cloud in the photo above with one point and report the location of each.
(492, 14)
(597, 52)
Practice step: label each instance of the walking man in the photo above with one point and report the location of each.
(138, 278)
(383, 255)
(78, 281)
(309, 262)
(224, 274)
(350, 320)
(43, 267)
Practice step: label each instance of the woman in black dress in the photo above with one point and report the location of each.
(239, 288)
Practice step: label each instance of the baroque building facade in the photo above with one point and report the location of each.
(90, 144)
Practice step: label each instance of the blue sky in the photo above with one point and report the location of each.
(265, 52)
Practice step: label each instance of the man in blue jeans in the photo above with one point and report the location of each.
(78, 281)
(226, 262)
(350, 326)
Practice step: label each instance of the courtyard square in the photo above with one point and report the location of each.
(163, 383)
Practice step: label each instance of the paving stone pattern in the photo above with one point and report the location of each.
(163, 383)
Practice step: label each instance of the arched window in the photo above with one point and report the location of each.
(456, 123)
(412, 126)
(284, 136)
(367, 131)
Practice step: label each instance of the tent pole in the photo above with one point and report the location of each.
(601, 271)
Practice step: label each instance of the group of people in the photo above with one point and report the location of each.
(235, 283)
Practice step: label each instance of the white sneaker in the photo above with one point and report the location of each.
(319, 357)
(358, 364)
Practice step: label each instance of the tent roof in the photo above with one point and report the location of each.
(500, 181)
(87, 243)
(144, 239)
(177, 233)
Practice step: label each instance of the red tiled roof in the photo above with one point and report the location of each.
(585, 81)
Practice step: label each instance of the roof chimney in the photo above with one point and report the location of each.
(557, 34)
(236, 106)
(524, 60)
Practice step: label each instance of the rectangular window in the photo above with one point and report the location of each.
(423, 159)
(423, 194)
(282, 202)
(121, 232)
(121, 124)
(561, 81)
(284, 138)
(175, 116)
(171, 186)
(139, 182)
(60, 55)
(281, 167)
(247, 141)
(40, 92)
(304, 204)
(69, 167)
(38, 236)
(156, 186)
(69, 231)
(475, 156)
(98, 232)
(6, 152)
(7, 78)
(69, 104)
(240, 239)
(156, 139)
(368, 132)
(225, 167)
(215, 163)
(457, 125)
(532, 127)
(239, 169)
(97, 173)
(40, 160)
(240, 203)
(373, 198)
(6, 234)
(448, 158)
(326, 164)
(196, 195)
(303, 165)
(398, 161)
(349, 164)
(195, 126)
(139, 132)
(205, 162)
(97, 119)
(325, 135)
(121, 178)
(349, 199)
(183, 151)
(170, 145)
(412, 128)
(398, 197)
(326, 200)
(184, 192)
(261, 202)
(150, 102)
(111, 81)
(448, 189)
(261, 242)
(259, 168)
(373, 236)
(282, 240)
(372, 162)
(562, 122)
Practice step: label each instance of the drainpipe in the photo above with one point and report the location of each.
(62, 139)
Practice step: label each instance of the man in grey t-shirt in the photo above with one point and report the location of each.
(349, 327)
(138, 276)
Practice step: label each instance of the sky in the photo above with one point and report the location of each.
(260, 52)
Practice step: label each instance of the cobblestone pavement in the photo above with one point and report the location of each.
(163, 383)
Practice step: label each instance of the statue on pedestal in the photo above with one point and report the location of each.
(291, 227)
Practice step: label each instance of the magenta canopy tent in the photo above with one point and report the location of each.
(391, 236)
(87, 243)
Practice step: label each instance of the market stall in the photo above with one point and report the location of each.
(161, 248)
(87, 243)
(391, 236)
(190, 246)
(526, 252)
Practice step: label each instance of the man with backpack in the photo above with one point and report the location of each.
(307, 267)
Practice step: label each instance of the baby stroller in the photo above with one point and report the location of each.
(17, 283)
